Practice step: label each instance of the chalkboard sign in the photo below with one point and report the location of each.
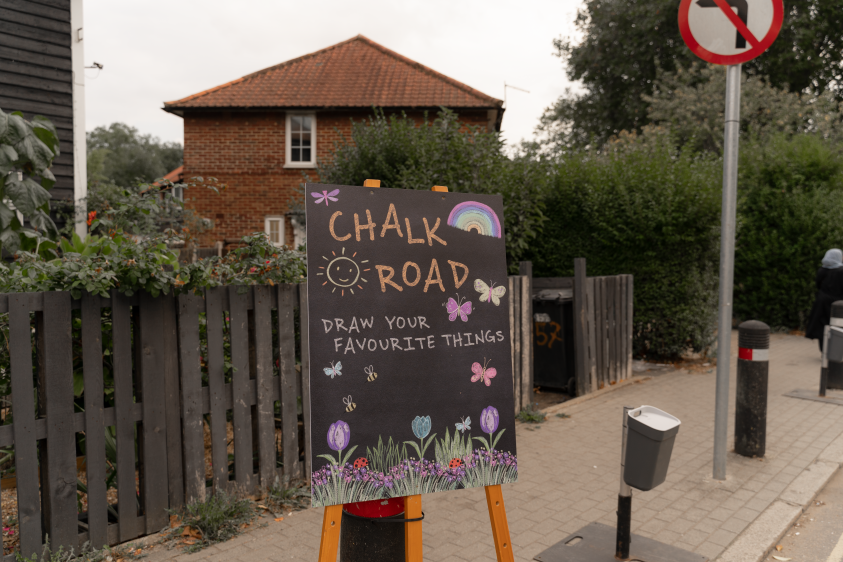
(410, 359)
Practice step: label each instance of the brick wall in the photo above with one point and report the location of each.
(246, 151)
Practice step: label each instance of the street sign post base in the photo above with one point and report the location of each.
(597, 544)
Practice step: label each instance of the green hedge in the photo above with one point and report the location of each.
(643, 208)
(790, 212)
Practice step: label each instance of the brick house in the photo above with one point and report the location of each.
(257, 134)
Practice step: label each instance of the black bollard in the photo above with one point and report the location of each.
(835, 368)
(751, 399)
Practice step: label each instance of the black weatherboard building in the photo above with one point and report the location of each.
(40, 59)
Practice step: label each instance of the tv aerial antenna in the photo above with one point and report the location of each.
(505, 86)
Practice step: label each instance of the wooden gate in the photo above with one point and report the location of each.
(602, 325)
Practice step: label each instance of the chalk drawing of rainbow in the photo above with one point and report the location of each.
(471, 215)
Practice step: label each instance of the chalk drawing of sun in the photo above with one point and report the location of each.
(343, 272)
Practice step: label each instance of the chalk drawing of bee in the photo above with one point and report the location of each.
(349, 405)
(371, 372)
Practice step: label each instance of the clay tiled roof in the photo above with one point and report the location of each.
(176, 175)
(354, 73)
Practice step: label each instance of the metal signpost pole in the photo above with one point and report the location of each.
(727, 263)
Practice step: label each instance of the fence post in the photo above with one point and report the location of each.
(581, 328)
(26, 451)
(305, 378)
(151, 391)
(525, 268)
(287, 368)
(191, 397)
(175, 469)
(58, 454)
(516, 387)
(95, 460)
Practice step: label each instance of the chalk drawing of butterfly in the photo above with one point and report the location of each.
(466, 424)
(333, 369)
(481, 372)
(454, 308)
(325, 196)
(487, 293)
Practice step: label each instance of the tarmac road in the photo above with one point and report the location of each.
(817, 536)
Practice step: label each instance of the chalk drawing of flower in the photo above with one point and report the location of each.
(489, 421)
(421, 429)
(339, 436)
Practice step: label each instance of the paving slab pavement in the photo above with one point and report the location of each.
(569, 471)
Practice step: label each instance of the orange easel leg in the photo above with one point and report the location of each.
(500, 528)
(412, 531)
(330, 533)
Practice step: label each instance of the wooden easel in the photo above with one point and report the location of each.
(412, 508)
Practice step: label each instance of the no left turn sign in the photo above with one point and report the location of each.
(730, 31)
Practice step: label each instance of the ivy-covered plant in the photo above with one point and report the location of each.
(27, 150)
(101, 263)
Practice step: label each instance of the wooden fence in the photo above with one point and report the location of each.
(602, 325)
(162, 377)
(521, 336)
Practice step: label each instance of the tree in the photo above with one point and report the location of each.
(407, 155)
(626, 43)
(120, 154)
(690, 103)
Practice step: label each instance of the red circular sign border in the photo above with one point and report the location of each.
(714, 58)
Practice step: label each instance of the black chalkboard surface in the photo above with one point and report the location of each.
(411, 370)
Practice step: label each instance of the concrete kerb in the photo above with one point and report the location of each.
(756, 542)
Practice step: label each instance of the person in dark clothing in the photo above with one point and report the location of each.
(829, 290)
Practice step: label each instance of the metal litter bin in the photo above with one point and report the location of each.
(553, 339)
(650, 437)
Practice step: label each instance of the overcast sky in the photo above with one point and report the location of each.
(156, 50)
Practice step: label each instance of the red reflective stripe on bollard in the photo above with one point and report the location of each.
(748, 354)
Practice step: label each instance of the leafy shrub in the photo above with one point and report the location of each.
(217, 519)
(103, 263)
(790, 212)
(288, 494)
(531, 414)
(145, 209)
(86, 554)
(641, 207)
(407, 155)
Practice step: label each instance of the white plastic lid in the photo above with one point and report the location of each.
(655, 418)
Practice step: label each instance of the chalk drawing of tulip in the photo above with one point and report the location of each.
(421, 429)
(339, 435)
(489, 421)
